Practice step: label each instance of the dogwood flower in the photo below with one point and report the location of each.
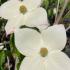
(26, 12)
(43, 50)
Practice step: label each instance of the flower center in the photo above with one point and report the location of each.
(43, 52)
(23, 9)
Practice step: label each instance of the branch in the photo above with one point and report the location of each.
(62, 11)
(68, 28)
(57, 10)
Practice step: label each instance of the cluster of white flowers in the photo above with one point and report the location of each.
(43, 50)
(27, 12)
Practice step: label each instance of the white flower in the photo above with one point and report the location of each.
(27, 12)
(43, 50)
(1, 47)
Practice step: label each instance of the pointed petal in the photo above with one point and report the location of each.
(32, 4)
(27, 41)
(32, 63)
(9, 9)
(55, 37)
(58, 61)
(36, 18)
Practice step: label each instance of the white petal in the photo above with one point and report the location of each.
(1, 47)
(58, 61)
(55, 37)
(9, 9)
(32, 4)
(36, 18)
(12, 24)
(32, 63)
(27, 41)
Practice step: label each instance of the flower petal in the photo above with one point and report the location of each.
(9, 9)
(32, 63)
(12, 24)
(1, 47)
(55, 37)
(58, 61)
(32, 4)
(36, 18)
(27, 41)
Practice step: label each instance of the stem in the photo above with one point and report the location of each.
(9, 66)
(60, 15)
(16, 62)
(67, 13)
(68, 28)
(57, 10)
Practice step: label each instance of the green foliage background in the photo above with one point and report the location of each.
(9, 55)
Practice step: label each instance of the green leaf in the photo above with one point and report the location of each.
(45, 4)
(2, 59)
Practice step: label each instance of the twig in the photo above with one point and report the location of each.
(8, 62)
(57, 10)
(68, 28)
(16, 62)
(67, 13)
(60, 15)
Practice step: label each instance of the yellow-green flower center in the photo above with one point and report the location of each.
(43, 52)
(23, 9)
